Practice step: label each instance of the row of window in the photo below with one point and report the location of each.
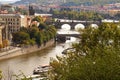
(11, 23)
(13, 27)
(10, 19)
(14, 30)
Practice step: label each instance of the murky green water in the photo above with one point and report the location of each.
(27, 63)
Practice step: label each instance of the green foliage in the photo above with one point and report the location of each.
(96, 56)
(42, 26)
(101, 2)
(38, 19)
(78, 15)
(0, 75)
(21, 37)
(39, 38)
(33, 31)
(1, 46)
(22, 11)
(5, 43)
(94, 2)
(32, 41)
(33, 35)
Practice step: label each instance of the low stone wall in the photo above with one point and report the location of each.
(26, 50)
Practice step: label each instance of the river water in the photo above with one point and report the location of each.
(27, 63)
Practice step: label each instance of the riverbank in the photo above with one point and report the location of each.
(17, 51)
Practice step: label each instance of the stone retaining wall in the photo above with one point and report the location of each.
(26, 50)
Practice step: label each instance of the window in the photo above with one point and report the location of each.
(17, 19)
(17, 23)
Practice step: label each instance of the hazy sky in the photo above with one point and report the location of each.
(8, 1)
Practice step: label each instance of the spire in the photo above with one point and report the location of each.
(31, 11)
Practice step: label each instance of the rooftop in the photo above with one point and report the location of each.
(22, 16)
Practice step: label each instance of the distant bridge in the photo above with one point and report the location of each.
(68, 33)
(64, 35)
(73, 23)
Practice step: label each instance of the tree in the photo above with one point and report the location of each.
(42, 26)
(5, 43)
(40, 38)
(96, 56)
(0, 75)
(38, 19)
(34, 34)
(33, 31)
(1, 46)
(21, 37)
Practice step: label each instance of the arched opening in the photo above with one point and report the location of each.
(118, 26)
(94, 25)
(65, 27)
(79, 26)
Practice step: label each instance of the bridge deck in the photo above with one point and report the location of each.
(68, 33)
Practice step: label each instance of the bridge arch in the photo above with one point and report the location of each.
(94, 25)
(118, 26)
(66, 27)
(79, 26)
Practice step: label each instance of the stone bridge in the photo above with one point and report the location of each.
(74, 24)
(62, 36)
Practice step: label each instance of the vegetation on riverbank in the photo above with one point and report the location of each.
(35, 34)
(82, 15)
(96, 56)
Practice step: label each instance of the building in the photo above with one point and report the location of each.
(1, 29)
(13, 23)
(0, 35)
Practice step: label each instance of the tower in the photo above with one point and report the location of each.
(31, 10)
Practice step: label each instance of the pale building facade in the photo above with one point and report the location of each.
(1, 29)
(0, 35)
(13, 23)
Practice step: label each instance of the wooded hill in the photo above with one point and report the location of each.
(88, 2)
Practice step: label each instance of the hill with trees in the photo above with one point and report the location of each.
(86, 2)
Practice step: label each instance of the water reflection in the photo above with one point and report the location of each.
(27, 63)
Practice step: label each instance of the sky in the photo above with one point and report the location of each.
(8, 1)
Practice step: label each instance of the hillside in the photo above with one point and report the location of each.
(75, 1)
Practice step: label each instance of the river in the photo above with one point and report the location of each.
(27, 63)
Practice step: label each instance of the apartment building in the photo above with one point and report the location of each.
(13, 23)
(0, 35)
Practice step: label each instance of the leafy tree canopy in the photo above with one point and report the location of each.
(96, 56)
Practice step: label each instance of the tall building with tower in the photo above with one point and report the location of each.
(31, 10)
